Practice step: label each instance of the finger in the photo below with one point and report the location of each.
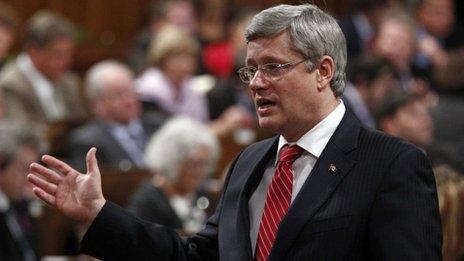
(91, 161)
(44, 196)
(57, 164)
(48, 187)
(49, 174)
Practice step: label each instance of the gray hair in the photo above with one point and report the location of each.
(100, 72)
(13, 137)
(176, 142)
(313, 33)
(44, 27)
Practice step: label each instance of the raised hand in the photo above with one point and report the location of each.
(79, 196)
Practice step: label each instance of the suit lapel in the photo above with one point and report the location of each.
(333, 164)
(250, 176)
(31, 94)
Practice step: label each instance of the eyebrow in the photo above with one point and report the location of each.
(267, 59)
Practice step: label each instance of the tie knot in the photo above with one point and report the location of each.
(290, 153)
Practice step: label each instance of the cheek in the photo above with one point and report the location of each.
(408, 123)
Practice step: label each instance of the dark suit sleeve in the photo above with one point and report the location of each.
(405, 222)
(115, 234)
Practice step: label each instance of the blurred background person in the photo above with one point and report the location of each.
(168, 85)
(370, 79)
(179, 13)
(119, 131)
(441, 58)
(212, 19)
(395, 40)
(8, 24)
(19, 147)
(180, 155)
(440, 42)
(407, 116)
(222, 60)
(360, 28)
(38, 86)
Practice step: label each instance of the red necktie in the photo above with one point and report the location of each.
(279, 196)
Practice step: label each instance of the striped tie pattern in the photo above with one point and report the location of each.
(278, 200)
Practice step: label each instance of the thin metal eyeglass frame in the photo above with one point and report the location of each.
(288, 65)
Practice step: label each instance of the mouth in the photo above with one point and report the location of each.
(263, 105)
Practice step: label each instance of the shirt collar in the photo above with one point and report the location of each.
(315, 140)
(26, 65)
(135, 125)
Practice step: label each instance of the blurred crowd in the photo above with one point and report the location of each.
(175, 103)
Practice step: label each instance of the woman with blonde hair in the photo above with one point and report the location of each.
(168, 82)
(450, 188)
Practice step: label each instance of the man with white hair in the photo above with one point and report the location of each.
(180, 155)
(119, 131)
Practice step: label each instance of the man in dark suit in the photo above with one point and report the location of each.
(326, 188)
(119, 131)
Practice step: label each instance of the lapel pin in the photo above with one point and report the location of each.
(332, 168)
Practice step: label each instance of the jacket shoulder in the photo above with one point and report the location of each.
(383, 146)
(11, 78)
(89, 132)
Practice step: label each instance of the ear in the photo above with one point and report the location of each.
(324, 71)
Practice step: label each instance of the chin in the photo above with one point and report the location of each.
(269, 124)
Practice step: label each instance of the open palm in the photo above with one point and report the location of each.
(77, 195)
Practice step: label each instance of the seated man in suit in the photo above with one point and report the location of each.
(38, 86)
(407, 116)
(19, 147)
(118, 130)
(325, 188)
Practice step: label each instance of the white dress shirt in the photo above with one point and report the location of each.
(313, 143)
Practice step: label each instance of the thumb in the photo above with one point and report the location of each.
(91, 161)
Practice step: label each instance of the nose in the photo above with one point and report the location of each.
(258, 81)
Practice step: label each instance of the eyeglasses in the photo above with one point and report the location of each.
(272, 71)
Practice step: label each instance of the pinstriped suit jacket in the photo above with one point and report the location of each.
(379, 204)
